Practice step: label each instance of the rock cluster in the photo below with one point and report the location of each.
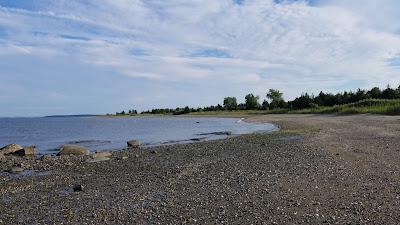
(15, 149)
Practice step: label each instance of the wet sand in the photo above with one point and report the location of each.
(317, 169)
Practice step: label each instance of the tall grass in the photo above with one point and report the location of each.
(375, 106)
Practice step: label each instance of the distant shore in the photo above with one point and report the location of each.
(317, 169)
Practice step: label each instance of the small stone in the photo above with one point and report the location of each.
(97, 159)
(126, 157)
(2, 157)
(45, 157)
(16, 169)
(78, 187)
(73, 150)
(101, 154)
(133, 143)
(154, 152)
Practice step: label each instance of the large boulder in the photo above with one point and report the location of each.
(73, 150)
(133, 143)
(26, 151)
(11, 148)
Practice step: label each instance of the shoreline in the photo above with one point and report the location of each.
(316, 169)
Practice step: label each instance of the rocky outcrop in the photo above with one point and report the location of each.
(133, 143)
(11, 148)
(73, 150)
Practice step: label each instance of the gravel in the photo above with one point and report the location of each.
(343, 170)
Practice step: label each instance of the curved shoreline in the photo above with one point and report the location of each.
(342, 170)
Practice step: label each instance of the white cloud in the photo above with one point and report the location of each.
(294, 46)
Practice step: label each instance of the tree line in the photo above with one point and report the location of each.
(274, 100)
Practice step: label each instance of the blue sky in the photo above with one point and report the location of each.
(99, 56)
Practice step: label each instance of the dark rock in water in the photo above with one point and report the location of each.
(198, 139)
(133, 143)
(197, 122)
(88, 142)
(78, 187)
(218, 133)
(11, 148)
(73, 150)
(26, 151)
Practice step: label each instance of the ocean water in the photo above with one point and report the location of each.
(102, 133)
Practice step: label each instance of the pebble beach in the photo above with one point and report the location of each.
(315, 170)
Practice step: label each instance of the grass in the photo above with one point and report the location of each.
(374, 106)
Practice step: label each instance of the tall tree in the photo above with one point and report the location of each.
(230, 103)
(252, 101)
(276, 98)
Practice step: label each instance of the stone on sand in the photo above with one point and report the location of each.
(73, 150)
(133, 143)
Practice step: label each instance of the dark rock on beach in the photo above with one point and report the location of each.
(78, 188)
(218, 133)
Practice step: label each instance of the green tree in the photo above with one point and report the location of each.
(375, 93)
(252, 101)
(276, 98)
(265, 105)
(230, 103)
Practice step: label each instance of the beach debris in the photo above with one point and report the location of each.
(133, 143)
(73, 150)
(153, 152)
(26, 151)
(16, 169)
(11, 148)
(78, 188)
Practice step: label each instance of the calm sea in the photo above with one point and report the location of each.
(101, 133)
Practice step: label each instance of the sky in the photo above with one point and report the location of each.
(102, 56)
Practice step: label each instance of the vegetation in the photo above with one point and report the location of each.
(385, 101)
(230, 103)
